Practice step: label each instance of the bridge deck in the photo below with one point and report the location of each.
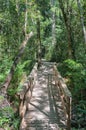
(45, 108)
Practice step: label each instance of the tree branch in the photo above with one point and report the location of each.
(16, 61)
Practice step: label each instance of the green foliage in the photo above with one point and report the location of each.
(18, 78)
(20, 70)
(5, 65)
(81, 107)
(8, 118)
(49, 53)
(5, 115)
(75, 73)
(12, 22)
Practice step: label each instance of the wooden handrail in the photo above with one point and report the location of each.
(66, 96)
(25, 93)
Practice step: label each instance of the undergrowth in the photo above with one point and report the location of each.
(75, 77)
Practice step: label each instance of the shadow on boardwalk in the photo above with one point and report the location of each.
(45, 109)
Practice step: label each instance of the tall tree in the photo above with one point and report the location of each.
(39, 41)
(66, 16)
(53, 17)
(20, 52)
(82, 20)
(25, 29)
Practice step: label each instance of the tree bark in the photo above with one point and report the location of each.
(53, 23)
(26, 18)
(82, 20)
(39, 42)
(17, 7)
(16, 61)
(68, 27)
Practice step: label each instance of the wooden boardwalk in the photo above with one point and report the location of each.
(45, 108)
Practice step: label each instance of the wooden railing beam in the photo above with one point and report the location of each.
(26, 93)
(65, 94)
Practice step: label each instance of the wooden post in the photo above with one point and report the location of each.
(69, 114)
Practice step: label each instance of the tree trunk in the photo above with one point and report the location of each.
(26, 18)
(17, 7)
(16, 61)
(39, 42)
(71, 50)
(82, 20)
(68, 27)
(53, 23)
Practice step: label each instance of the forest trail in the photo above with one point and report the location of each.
(45, 108)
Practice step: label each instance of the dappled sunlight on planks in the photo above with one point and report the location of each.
(45, 110)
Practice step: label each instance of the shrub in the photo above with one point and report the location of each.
(75, 73)
(8, 118)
